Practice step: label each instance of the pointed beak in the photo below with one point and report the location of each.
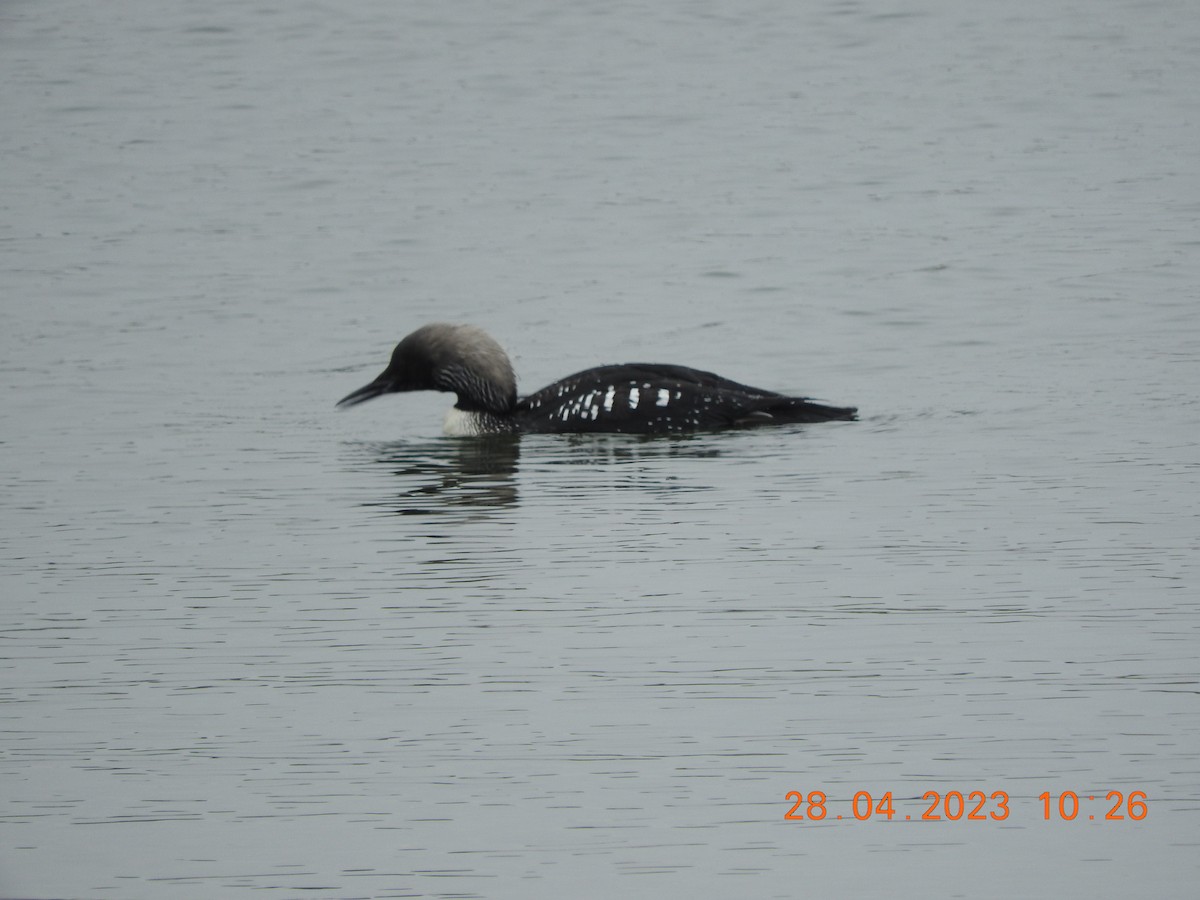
(376, 388)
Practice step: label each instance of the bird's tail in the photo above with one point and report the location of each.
(799, 409)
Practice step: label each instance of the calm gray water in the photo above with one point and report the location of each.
(252, 645)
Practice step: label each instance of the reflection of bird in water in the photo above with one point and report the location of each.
(436, 478)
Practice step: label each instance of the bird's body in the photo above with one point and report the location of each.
(635, 398)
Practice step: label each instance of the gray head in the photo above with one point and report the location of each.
(461, 359)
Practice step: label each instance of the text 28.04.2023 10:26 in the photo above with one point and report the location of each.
(972, 806)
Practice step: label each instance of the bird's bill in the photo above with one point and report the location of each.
(376, 388)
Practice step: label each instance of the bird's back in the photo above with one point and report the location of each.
(654, 398)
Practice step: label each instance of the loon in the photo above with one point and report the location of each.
(635, 398)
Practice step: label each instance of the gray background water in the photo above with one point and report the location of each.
(254, 645)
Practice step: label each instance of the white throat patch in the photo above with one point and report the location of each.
(461, 423)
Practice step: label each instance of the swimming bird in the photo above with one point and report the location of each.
(634, 398)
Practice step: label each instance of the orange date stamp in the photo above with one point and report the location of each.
(971, 806)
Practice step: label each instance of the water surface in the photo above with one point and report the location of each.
(252, 644)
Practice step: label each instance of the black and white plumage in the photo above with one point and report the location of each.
(635, 398)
